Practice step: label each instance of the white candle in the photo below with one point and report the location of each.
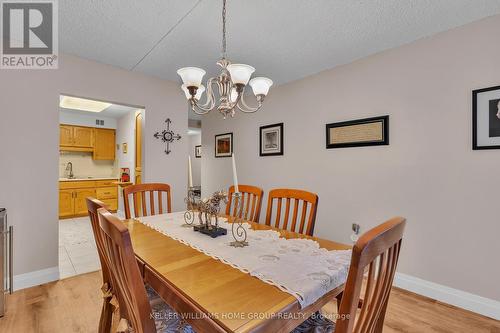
(235, 176)
(190, 175)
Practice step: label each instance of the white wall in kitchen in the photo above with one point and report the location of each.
(70, 117)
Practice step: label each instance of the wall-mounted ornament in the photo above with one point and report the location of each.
(167, 136)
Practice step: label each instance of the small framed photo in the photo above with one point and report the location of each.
(224, 145)
(271, 140)
(197, 151)
(486, 118)
(358, 133)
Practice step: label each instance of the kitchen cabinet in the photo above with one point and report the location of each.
(83, 136)
(104, 145)
(65, 135)
(80, 202)
(66, 203)
(101, 142)
(73, 195)
(76, 138)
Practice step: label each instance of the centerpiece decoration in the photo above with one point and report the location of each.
(208, 211)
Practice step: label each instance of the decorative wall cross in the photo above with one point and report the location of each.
(167, 136)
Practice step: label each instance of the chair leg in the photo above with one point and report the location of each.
(106, 316)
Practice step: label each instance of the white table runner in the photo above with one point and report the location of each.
(297, 266)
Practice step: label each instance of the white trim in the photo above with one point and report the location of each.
(482, 305)
(36, 278)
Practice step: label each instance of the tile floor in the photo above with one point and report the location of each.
(77, 249)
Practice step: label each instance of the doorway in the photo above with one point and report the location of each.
(100, 151)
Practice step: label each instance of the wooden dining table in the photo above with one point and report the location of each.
(213, 296)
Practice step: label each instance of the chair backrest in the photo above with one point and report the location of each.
(128, 285)
(251, 198)
(92, 206)
(307, 200)
(141, 198)
(377, 250)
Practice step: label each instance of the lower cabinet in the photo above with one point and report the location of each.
(80, 200)
(73, 195)
(66, 203)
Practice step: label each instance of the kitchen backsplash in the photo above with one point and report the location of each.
(85, 166)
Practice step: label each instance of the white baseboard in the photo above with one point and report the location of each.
(484, 306)
(36, 278)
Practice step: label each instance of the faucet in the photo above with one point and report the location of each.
(69, 167)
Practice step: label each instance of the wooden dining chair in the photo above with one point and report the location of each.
(144, 193)
(135, 300)
(376, 251)
(106, 312)
(306, 200)
(251, 198)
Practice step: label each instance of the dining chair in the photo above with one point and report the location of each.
(141, 194)
(251, 198)
(376, 251)
(141, 310)
(107, 310)
(306, 200)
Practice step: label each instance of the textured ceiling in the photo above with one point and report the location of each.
(283, 39)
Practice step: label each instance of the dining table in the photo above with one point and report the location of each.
(214, 296)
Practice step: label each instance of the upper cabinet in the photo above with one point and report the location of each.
(76, 138)
(83, 136)
(104, 146)
(99, 141)
(65, 135)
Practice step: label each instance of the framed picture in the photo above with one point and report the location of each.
(486, 118)
(197, 151)
(271, 140)
(358, 133)
(224, 145)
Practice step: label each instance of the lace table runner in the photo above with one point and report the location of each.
(297, 266)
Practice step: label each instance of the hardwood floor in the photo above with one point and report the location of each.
(73, 305)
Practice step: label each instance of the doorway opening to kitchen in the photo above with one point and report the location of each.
(195, 152)
(100, 151)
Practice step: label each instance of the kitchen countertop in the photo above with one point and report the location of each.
(86, 178)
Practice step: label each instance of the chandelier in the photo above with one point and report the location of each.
(230, 83)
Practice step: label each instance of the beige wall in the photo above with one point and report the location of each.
(428, 174)
(29, 137)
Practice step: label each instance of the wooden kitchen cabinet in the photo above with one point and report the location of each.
(99, 141)
(76, 138)
(65, 135)
(83, 136)
(66, 203)
(104, 145)
(73, 195)
(80, 202)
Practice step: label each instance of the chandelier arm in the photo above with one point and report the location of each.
(244, 107)
(210, 95)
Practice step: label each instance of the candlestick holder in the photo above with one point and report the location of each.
(192, 206)
(237, 229)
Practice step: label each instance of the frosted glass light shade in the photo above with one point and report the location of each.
(260, 85)
(191, 76)
(199, 92)
(240, 73)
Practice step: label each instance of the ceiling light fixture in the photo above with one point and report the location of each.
(231, 84)
(75, 103)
